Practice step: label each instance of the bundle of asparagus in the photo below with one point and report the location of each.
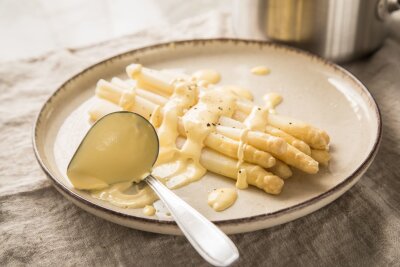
(234, 137)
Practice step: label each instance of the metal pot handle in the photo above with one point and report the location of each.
(385, 7)
(393, 5)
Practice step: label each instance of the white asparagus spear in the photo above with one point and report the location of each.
(153, 80)
(322, 156)
(230, 148)
(316, 138)
(135, 103)
(259, 140)
(302, 146)
(281, 169)
(239, 115)
(226, 166)
(101, 108)
(299, 160)
(113, 91)
(153, 97)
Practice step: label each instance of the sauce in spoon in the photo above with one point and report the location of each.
(121, 147)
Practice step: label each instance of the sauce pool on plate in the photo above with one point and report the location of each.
(260, 70)
(222, 198)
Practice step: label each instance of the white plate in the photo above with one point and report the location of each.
(313, 89)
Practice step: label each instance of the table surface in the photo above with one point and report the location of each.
(39, 227)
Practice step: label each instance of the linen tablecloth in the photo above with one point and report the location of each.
(39, 227)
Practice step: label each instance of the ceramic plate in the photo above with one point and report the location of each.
(313, 90)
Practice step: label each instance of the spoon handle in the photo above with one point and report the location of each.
(209, 241)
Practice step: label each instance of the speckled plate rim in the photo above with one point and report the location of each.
(347, 182)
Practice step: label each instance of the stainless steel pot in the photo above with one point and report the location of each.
(339, 30)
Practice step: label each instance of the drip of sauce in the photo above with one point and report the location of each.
(184, 96)
(272, 100)
(183, 165)
(222, 198)
(149, 210)
(241, 182)
(171, 162)
(208, 75)
(155, 116)
(257, 120)
(242, 146)
(260, 70)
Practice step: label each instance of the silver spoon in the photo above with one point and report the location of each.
(208, 240)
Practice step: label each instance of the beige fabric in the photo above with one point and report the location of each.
(39, 227)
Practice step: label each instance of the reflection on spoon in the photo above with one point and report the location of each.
(122, 147)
